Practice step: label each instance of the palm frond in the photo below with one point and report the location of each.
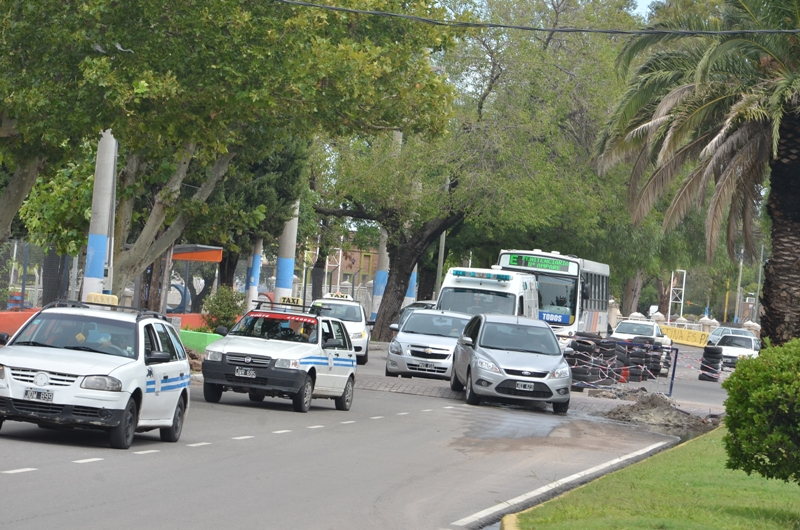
(692, 115)
(690, 188)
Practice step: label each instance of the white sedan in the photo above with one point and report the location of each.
(735, 347)
(630, 329)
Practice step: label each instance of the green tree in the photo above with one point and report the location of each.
(725, 105)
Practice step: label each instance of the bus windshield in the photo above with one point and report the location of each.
(557, 299)
(476, 301)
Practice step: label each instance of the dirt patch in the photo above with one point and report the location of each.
(195, 360)
(660, 414)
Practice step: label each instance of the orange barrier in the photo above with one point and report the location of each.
(189, 320)
(11, 321)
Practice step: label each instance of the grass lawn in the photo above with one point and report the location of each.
(686, 487)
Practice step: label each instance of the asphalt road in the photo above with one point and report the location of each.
(396, 460)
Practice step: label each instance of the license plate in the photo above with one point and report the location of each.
(245, 372)
(38, 395)
(524, 386)
(427, 366)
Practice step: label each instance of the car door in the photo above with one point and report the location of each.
(344, 357)
(461, 358)
(154, 401)
(325, 372)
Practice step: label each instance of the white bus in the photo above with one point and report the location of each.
(476, 291)
(573, 292)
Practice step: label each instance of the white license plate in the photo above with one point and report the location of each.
(245, 372)
(38, 395)
(427, 366)
(524, 386)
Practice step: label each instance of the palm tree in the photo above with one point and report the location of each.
(722, 112)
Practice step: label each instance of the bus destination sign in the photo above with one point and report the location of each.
(538, 262)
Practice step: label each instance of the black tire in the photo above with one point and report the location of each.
(301, 401)
(704, 377)
(173, 433)
(212, 392)
(121, 436)
(387, 373)
(582, 377)
(712, 356)
(344, 401)
(255, 397)
(1, 422)
(712, 349)
(362, 359)
(469, 394)
(580, 370)
(455, 384)
(561, 408)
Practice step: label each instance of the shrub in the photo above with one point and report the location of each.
(223, 308)
(763, 414)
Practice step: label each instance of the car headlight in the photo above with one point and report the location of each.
(213, 355)
(395, 348)
(102, 382)
(487, 365)
(359, 335)
(561, 372)
(2, 372)
(287, 363)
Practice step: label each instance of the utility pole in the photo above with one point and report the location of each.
(757, 318)
(738, 290)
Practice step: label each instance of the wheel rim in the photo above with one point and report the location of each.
(129, 427)
(348, 393)
(469, 385)
(178, 421)
(307, 395)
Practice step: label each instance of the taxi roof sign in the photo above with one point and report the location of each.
(480, 274)
(340, 296)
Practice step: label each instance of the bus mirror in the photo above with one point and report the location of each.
(585, 291)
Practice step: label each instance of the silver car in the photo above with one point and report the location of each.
(511, 357)
(424, 344)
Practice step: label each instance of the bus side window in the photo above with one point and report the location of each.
(521, 310)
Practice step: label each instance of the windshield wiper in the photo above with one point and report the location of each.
(33, 343)
(85, 348)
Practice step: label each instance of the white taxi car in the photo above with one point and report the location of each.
(282, 354)
(352, 313)
(72, 365)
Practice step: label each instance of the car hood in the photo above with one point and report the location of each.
(61, 360)
(630, 336)
(734, 351)
(515, 360)
(427, 341)
(265, 347)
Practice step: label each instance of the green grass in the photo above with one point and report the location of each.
(687, 487)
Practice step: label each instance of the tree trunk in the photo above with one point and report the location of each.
(17, 190)
(6, 253)
(630, 294)
(208, 273)
(227, 268)
(663, 289)
(52, 276)
(426, 282)
(318, 275)
(780, 297)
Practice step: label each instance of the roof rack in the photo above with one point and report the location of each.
(140, 313)
(273, 304)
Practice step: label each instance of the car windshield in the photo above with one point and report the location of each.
(476, 301)
(736, 341)
(742, 332)
(277, 326)
(635, 328)
(519, 337)
(435, 325)
(79, 332)
(346, 312)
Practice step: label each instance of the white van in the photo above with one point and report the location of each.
(490, 291)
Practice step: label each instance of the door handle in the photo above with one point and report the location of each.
(166, 377)
(349, 354)
(335, 354)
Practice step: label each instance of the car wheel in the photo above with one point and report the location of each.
(1, 422)
(121, 436)
(173, 433)
(362, 359)
(212, 392)
(387, 373)
(455, 384)
(471, 397)
(302, 400)
(561, 408)
(344, 401)
(255, 397)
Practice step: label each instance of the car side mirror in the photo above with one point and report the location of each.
(466, 341)
(394, 327)
(3, 339)
(568, 351)
(370, 323)
(221, 330)
(332, 343)
(156, 357)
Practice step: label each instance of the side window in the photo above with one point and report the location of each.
(476, 327)
(177, 342)
(166, 342)
(521, 310)
(339, 332)
(327, 332)
(149, 340)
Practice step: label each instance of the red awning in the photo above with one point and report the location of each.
(197, 253)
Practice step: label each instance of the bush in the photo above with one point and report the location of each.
(763, 414)
(223, 308)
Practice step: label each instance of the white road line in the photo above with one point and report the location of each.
(449, 407)
(198, 444)
(402, 413)
(553, 485)
(281, 432)
(376, 417)
(86, 460)
(426, 410)
(146, 452)
(315, 427)
(347, 422)
(22, 470)
(242, 437)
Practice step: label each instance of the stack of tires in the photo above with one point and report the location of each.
(637, 372)
(582, 361)
(711, 363)
(616, 359)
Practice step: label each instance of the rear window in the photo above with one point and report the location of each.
(346, 312)
(635, 328)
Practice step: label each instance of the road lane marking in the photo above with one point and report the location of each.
(281, 432)
(198, 444)
(347, 422)
(553, 485)
(426, 410)
(376, 417)
(86, 460)
(146, 452)
(449, 407)
(22, 470)
(402, 413)
(242, 437)
(315, 427)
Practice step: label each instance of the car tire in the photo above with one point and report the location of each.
(455, 384)
(173, 433)
(255, 397)
(344, 401)
(387, 373)
(301, 402)
(362, 359)
(713, 350)
(121, 436)
(212, 392)
(471, 397)
(561, 408)
(1, 422)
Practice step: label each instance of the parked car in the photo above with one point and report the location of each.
(719, 332)
(630, 329)
(735, 347)
(511, 357)
(283, 354)
(410, 308)
(424, 344)
(71, 365)
(352, 313)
